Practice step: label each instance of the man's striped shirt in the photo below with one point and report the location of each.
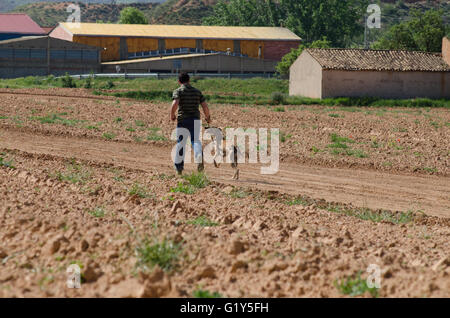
(190, 98)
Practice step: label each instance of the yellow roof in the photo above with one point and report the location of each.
(148, 59)
(181, 31)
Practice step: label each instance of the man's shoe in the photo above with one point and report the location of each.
(200, 167)
(179, 172)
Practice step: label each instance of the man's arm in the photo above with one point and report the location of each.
(206, 112)
(173, 109)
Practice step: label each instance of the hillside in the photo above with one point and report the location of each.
(49, 14)
(189, 11)
(182, 11)
(169, 12)
(9, 5)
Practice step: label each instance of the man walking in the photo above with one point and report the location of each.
(187, 100)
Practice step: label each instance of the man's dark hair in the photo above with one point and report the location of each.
(184, 78)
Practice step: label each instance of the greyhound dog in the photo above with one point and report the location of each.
(223, 151)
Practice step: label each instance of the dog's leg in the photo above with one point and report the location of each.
(236, 175)
(234, 163)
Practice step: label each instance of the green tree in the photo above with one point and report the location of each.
(423, 32)
(338, 20)
(131, 15)
(284, 65)
(245, 13)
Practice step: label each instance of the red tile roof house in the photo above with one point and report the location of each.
(16, 25)
(327, 73)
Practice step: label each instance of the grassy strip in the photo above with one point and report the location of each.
(360, 213)
(369, 215)
(253, 86)
(370, 102)
(255, 91)
(166, 96)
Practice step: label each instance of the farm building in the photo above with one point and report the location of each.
(324, 73)
(43, 55)
(16, 25)
(124, 41)
(195, 63)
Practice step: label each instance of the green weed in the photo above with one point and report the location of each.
(183, 188)
(369, 215)
(156, 137)
(284, 137)
(165, 254)
(68, 82)
(336, 138)
(199, 293)
(93, 127)
(239, 194)
(279, 109)
(355, 286)
(139, 190)
(315, 150)
(198, 180)
(56, 119)
(139, 123)
(6, 163)
(109, 136)
(98, 212)
(278, 98)
(430, 170)
(202, 221)
(298, 201)
(75, 173)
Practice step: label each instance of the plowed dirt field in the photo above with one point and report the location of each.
(88, 181)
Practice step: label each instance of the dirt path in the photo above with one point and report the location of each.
(362, 188)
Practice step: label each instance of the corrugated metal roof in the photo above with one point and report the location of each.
(378, 60)
(181, 31)
(18, 23)
(172, 57)
(23, 39)
(40, 41)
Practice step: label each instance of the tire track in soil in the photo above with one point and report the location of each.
(363, 188)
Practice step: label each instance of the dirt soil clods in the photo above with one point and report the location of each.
(86, 181)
